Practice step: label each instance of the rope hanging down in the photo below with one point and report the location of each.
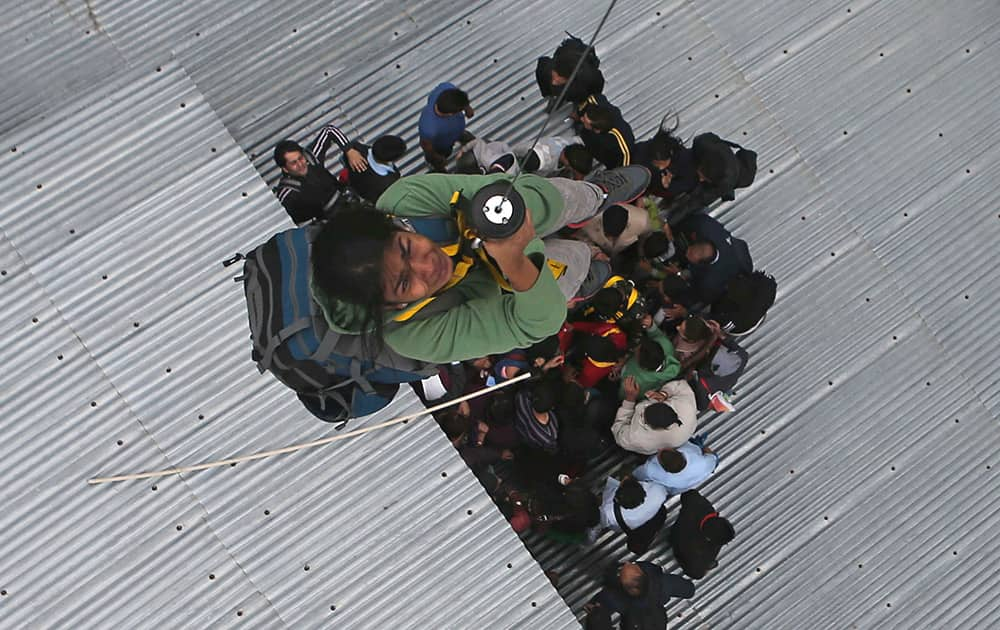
(305, 445)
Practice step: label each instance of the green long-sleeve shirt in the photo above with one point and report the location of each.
(485, 320)
(647, 379)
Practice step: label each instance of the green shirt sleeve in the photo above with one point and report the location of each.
(488, 322)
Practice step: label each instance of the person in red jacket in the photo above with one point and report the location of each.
(600, 344)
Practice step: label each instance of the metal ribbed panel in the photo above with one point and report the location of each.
(881, 241)
(130, 352)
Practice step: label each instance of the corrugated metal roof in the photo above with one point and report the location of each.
(857, 469)
(127, 348)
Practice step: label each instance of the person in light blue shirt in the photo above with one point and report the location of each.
(679, 469)
(442, 123)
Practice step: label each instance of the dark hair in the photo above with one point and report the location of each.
(718, 530)
(346, 264)
(672, 460)
(664, 143)
(467, 164)
(531, 162)
(453, 424)
(607, 301)
(695, 329)
(579, 158)
(283, 147)
(546, 349)
(660, 415)
(601, 349)
(543, 397)
(451, 101)
(651, 355)
(676, 287)
(613, 220)
(601, 118)
(656, 244)
(388, 148)
(630, 494)
(501, 409)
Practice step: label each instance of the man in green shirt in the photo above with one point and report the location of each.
(387, 282)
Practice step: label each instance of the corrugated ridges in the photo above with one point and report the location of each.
(119, 252)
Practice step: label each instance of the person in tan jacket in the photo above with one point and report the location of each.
(666, 419)
(616, 228)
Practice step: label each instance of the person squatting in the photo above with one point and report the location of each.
(618, 293)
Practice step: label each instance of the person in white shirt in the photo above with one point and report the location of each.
(679, 469)
(634, 507)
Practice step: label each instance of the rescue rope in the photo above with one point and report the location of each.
(305, 445)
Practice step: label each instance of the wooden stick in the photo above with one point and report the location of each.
(305, 445)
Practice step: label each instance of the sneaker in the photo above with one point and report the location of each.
(621, 185)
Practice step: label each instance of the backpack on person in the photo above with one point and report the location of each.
(573, 47)
(745, 303)
(713, 383)
(726, 170)
(293, 342)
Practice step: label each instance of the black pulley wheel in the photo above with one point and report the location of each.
(496, 212)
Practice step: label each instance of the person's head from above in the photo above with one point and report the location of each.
(608, 302)
(675, 288)
(657, 247)
(543, 398)
(672, 460)
(530, 162)
(291, 158)
(597, 118)
(717, 529)
(540, 352)
(454, 425)
(388, 149)
(660, 415)
(632, 579)
(501, 409)
(451, 102)
(650, 355)
(614, 220)
(694, 329)
(578, 159)
(630, 493)
(664, 144)
(361, 257)
(562, 68)
(700, 252)
(482, 363)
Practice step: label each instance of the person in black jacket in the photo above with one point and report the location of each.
(698, 535)
(637, 591)
(553, 73)
(381, 171)
(605, 133)
(713, 255)
(306, 187)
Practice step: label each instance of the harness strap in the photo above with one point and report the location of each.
(298, 325)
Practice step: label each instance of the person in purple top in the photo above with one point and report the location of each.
(442, 123)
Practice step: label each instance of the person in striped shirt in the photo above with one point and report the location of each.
(306, 187)
(535, 417)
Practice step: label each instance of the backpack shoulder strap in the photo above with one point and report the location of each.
(621, 519)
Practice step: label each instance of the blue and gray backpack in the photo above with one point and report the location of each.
(291, 339)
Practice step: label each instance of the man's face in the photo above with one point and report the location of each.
(558, 79)
(413, 268)
(296, 164)
(698, 253)
(630, 575)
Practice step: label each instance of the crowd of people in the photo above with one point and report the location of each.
(620, 296)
